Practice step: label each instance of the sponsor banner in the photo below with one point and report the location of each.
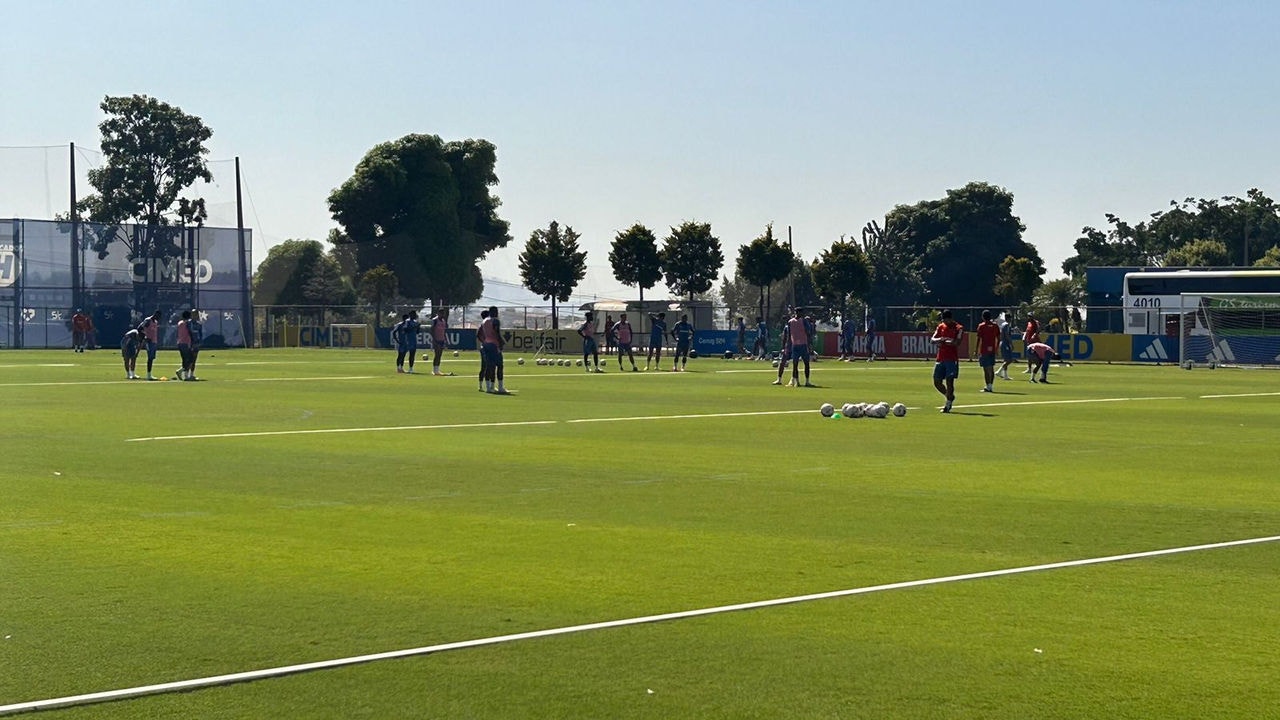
(8, 265)
(1152, 348)
(1234, 349)
(715, 342)
(529, 342)
(459, 339)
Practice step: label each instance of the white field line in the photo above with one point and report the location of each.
(323, 431)
(688, 417)
(308, 379)
(246, 676)
(1239, 395)
(1071, 402)
(391, 428)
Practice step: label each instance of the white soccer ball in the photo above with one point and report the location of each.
(846, 409)
(579, 362)
(856, 410)
(899, 410)
(519, 361)
(455, 353)
(775, 363)
(540, 362)
(827, 410)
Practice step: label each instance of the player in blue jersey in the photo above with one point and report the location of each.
(411, 330)
(657, 333)
(590, 346)
(399, 337)
(683, 334)
(761, 347)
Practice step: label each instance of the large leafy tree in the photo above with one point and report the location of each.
(152, 152)
(1245, 226)
(423, 208)
(1271, 258)
(634, 258)
(552, 266)
(299, 272)
(1016, 280)
(963, 236)
(378, 286)
(842, 273)
(1198, 253)
(897, 270)
(763, 262)
(691, 259)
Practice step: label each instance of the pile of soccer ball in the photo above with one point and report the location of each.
(858, 410)
(556, 362)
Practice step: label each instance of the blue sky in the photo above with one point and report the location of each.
(821, 116)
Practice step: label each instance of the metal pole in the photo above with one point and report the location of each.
(246, 309)
(77, 267)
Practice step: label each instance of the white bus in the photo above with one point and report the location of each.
(1150, 296)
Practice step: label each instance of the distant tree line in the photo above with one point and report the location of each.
(418, 214)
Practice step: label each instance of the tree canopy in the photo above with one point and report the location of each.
(1016, 280)
(763, 262)
(552, 266)
(962, 237)
(423, 208)
(152, 152)
(1245, 227)
(635, 259)
(691, 259)
(299, 272)
(841, 274)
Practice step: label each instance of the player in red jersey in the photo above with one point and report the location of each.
(988, 339)
(948, 336)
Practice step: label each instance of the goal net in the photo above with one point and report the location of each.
(351, 335)
(1224, 329)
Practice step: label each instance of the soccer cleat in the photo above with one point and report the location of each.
(150, 376)
(986, 389)
(809, 384)
(635, 369)
(778, 381)
(400, 370)
(791, 383)
(947, 408)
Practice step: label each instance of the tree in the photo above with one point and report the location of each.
(152, 152)
(1246, 226)
(634, 258)
(842, 272)
(1271, 258)
(1052, 299)
(963, 236)
(298, 272)
(552, 266)
(691, 259)
(424, 207)
(1016, 280)
(378, 286)
(897, 272)
(763, 262)
(1198, 253)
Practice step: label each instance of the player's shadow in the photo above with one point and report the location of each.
(972, 413)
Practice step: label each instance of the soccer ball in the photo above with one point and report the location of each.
(455, 353)
(827, 410)
(163, 377)
(856, 410)
(693, 353)
(775, 363)
(899, 410)
(579, 362)
(519, 361)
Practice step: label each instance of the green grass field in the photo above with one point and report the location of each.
(260, 541)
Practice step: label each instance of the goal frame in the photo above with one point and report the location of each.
(365, 333)
(1200, 344)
